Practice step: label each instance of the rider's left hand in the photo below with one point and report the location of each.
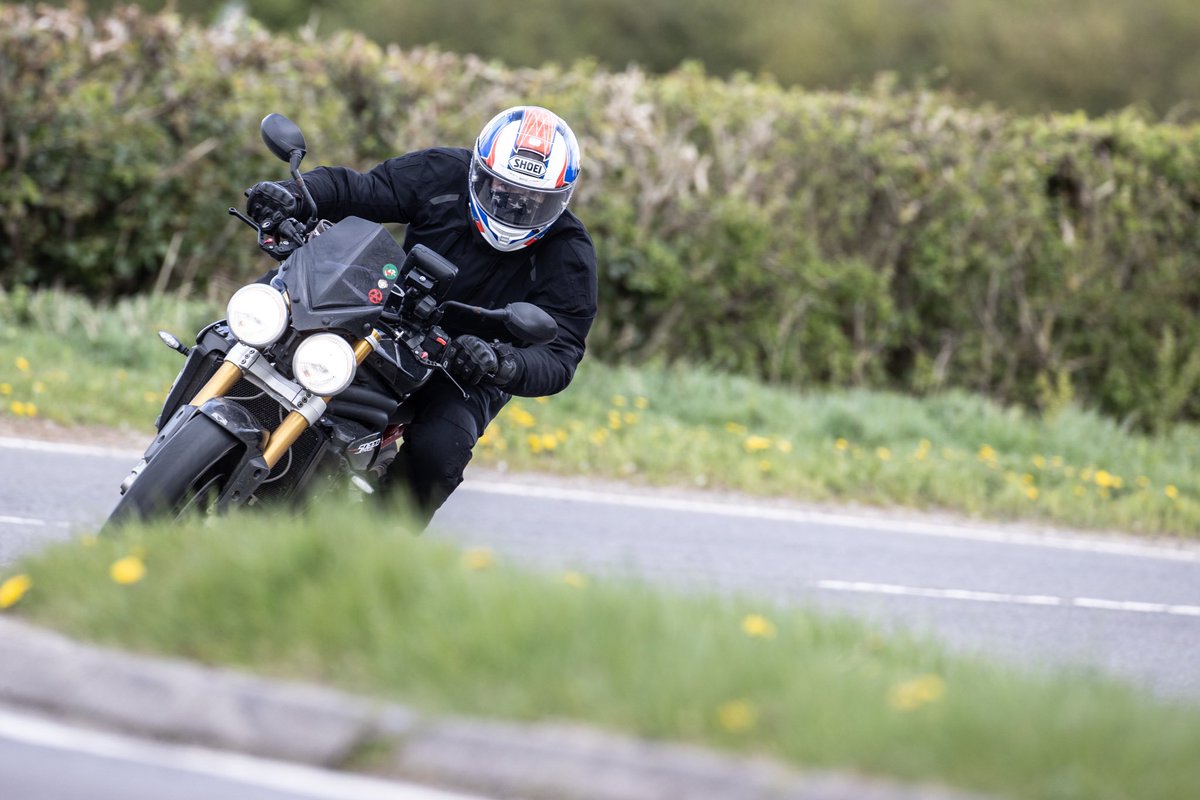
(472, 360)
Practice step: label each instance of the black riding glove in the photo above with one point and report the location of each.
(472, 360)
(269, 204)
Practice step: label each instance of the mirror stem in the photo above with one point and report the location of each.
(297, 156)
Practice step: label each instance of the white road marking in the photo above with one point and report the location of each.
(1187, 552)
(247, 770)
(38, 523)
(1091, 544)
(1017, 599)
(68, 448)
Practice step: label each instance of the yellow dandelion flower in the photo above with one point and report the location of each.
(614, 420)
(737, 716)
(1143, 482)
(784, 446)
(38, 387)
(574, 579)
(1056, 462)
(549, 441)
(23, 364)
(13, 589)
(629, 418)
(733, 427)
(535, 443)
(1086, 474)
(5, 389)
(127, 570)
(641, 403)
(758, 626)
(1027, 479)
(619, 400)
(986, 453)
(31, 410)
(1106, 479)
(1039, 462)
(912, 694)
(17, 407)
(841, 444)
(883, 454)
(520, 417)
(478, 558)
(754, 444)
(598, 437)
(1031, 492)
(1172, 491)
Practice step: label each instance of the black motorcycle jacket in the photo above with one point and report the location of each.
(427, 191)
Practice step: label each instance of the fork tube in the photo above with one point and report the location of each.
(221, 382)
(284, 437)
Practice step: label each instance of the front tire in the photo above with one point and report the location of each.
(192, 463)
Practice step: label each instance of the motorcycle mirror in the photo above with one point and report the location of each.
(282, 137)
(530, 323)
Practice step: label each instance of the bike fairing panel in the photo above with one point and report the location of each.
(341, 278)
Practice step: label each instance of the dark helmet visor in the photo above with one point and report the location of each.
(513, 205)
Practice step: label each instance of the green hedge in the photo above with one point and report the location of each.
(884, 239)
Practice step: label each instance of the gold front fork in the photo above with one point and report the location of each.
(295, 423)
(221, 382)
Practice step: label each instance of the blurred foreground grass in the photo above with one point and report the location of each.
(354, 600)
(64, 360)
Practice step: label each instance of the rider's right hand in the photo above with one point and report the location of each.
(269, 204)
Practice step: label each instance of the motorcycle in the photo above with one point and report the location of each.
(303, 386)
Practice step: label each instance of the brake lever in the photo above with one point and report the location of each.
(233, 212)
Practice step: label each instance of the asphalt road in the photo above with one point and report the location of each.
(43, 759)
(1118, 606)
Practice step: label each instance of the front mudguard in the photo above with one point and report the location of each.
(251, 469)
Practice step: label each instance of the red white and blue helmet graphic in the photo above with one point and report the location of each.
(523, 171)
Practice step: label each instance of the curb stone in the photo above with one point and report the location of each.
(180, 701)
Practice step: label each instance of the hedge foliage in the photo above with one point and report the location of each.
(1030, 55)
(885, 239)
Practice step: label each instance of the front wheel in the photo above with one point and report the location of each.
(190, 467)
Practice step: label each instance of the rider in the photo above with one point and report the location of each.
(499, 213)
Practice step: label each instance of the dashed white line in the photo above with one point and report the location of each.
(1016, 599)
(68, 448)
(37, 523)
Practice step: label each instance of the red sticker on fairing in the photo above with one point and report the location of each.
(375, 296)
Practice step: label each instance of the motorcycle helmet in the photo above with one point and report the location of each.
(523, 171)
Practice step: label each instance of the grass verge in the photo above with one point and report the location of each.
(344, 598)
(64, 360)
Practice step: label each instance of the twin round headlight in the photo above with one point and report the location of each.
(257, 314)
(324, 363)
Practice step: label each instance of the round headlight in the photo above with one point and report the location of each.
(257, 314)
(324, 364)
